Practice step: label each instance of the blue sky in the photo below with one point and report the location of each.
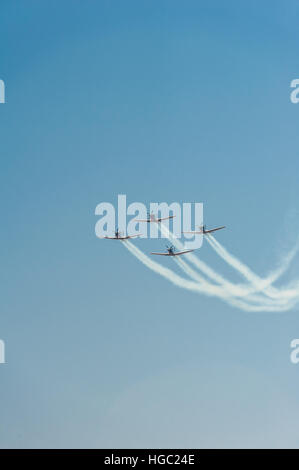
(161, 101)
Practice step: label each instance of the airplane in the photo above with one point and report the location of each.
(171, 252)
(118, 236)
(204, 231)
(152, 218)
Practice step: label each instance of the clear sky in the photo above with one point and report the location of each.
(162, 101)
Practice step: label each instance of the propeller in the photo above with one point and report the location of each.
(170, 247)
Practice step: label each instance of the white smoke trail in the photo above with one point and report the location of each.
(191, 257)
(166, 272)
(204, 287)
(256, 284)
(247, 304)
(235, 290)
(260, 283)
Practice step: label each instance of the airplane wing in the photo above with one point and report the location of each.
(178, 253)
(165, 218)
(214, 229)
(205, 231)
(142, 220)
(121, 238)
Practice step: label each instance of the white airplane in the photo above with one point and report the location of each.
(171, 252)
(118, 236)
(152, 218)
(202, 230)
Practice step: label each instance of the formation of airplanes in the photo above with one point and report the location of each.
(170, 250)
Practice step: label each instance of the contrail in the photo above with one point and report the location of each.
(202, 266)
(227, 293)
(260, 284)
(191, 257)
(203, 288)
(166, 272)
(257, 284)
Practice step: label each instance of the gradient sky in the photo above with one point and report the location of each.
(162, 101)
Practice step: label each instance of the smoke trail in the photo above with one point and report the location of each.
(189, 271)
(202, 266)
(203, 288)
(166, 272)
(259, 283)
(198, 263)
(250, 300)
